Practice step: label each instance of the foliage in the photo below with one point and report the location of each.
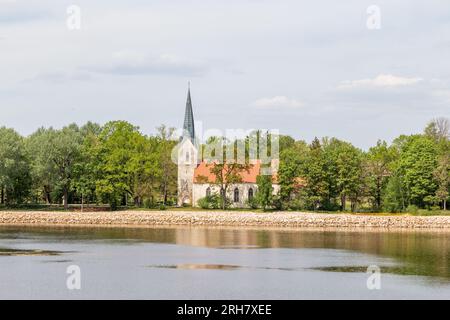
(15, 178)
(227, 173)
(413, 209)
(378, 162)
(54, 155)
(264, 196)
(394, 195)
(416, 164)
(210, 202)
(116, 164)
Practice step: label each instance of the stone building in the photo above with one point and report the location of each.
(195, 180)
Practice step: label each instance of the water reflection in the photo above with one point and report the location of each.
(417, 252)
(197, 266)
(194, 266)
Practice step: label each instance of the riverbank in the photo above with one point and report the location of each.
(224, 218)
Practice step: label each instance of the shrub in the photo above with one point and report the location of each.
(209, 202)
(297, 204)
(148, 203)
(412, 209)
(252, 203)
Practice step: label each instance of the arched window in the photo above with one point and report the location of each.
(250, 194)
(208, 192)
(236, 195)
(187, 157)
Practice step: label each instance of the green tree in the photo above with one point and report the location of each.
(54, 156)
(85, 169)
(291, 161)
(394, 197)
(118, 143)
(264, 195)
(168, 168)
(442, 177)
(378, 163)
(314, 172)
(15, 179)
(42, 168)
(227, 173)
(343, 171)
(416, 165)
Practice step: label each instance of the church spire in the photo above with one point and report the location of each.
(188, 126)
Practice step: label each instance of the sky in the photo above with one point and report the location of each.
(307, 68)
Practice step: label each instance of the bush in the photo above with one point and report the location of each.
(297, 204)
(203, 203)
(277, 202)
(162, 207)
(252, 203)
(148, 203)
(209, 202)
(412, 209)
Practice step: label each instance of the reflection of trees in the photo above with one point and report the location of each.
(423, 253)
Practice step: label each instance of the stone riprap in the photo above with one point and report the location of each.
(225, 218)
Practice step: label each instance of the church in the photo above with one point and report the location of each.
(195, 180)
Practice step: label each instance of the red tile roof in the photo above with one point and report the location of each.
(202, 174)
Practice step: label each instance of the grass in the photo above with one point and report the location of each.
(424, 212)
(91, 208)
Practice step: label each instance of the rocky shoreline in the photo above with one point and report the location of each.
(224, 218)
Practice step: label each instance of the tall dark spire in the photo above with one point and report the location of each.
(188, 126)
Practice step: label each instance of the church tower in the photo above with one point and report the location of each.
(188, 125)
(187, 156)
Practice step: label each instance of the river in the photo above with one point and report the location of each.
(222, 263)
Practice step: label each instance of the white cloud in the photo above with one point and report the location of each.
(278, 102)
(382, 80)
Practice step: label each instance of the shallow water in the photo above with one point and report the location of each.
(222, 263)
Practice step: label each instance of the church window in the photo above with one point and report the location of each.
(250, 194)
(208, 192)
(236, 195)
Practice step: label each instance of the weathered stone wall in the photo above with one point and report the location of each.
(225, 218)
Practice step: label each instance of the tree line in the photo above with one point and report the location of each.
(113, 164)
(116, 164)
(413, 172)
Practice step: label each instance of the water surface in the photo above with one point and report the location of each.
(222, 263)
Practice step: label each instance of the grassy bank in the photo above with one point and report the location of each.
(99, 208)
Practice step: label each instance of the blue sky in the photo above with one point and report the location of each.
(307, 68)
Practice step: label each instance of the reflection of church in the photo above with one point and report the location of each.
(195, 181)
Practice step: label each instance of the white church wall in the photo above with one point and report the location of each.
(199, 191)
(187, 162)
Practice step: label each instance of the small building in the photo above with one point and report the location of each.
(195, 179)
